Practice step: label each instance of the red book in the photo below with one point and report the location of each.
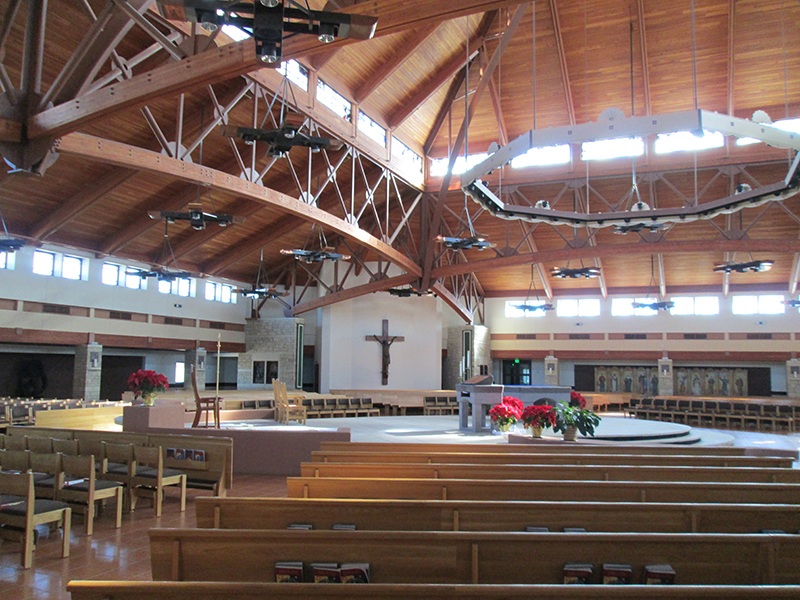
(614, 574)
(289, 572)
(659, 575)
(354, 572)
(578, 573)
(326, 573)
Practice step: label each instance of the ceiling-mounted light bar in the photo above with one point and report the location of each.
(267, 20)
(695, 121)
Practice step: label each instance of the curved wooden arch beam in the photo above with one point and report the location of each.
(611, 250)
(122, 155)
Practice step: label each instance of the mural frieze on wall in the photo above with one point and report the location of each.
(687, 381)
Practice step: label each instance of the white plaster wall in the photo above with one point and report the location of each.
(21, 283)
(349, 361)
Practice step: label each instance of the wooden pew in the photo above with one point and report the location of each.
(215, 473)
(194, 590)
(589, 458)
(573, 472)
(554, 491)
(462, 515)
(473, 557)
(579, 448)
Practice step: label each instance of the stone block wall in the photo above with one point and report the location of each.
(452, 373)
(269, 340)
(88, 371)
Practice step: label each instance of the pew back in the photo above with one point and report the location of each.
(580, 448)
(460, 515)
(470, 557)
(589, 458)
(193, 590)
(573, 472)
(555, 491)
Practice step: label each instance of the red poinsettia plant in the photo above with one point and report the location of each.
(507, 412)
(146, 382)
(541, 415)
(577, 400)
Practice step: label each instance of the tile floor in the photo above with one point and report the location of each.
(124, 553)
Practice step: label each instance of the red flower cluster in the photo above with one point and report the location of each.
(515, 402)
(508, 411)
(576, 399)
(539, 416)
(146, 382)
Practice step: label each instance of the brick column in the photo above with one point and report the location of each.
(194, 358)
(550, 370)
(87, 371)
(793, 378)
(666, 385)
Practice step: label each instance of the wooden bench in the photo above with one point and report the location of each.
(214, 473)
(547, 472)
(589, 458)
(463, 515)
(124, 590)
(534, 448)
(194, 590)
(555, 491)
(473, 557)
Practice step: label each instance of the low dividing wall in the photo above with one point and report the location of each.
(267, 451)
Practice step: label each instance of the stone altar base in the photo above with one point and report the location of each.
(477, 398)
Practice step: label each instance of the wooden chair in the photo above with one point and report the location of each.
(83, 490)
(285, 411)
(21, 510)
(150, 477)
(117, 464)
(48, 476)
(68, 447)
(14, 442)
(209, 404)
(42, 445)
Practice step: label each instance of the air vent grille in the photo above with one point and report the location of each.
(55, 309)
(120, 316)
(695, 336)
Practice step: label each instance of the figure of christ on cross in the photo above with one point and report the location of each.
(385, 340)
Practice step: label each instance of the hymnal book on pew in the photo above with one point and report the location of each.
(200, 455)
(354, 572)
(574, 530)
(580, 573)
(531, 529)
(300, 526)
(659, 575)
(289, 572)
(615, 574)
(343, 527)
(326, 572)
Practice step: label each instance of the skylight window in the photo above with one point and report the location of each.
(296, 73)
(371, 129)
(44, 262)
(334, 100)
(617, 148)
(513, 311)
(792, 125)
(236, 34)
(541, 157)
(439, 165)
(406, 154)
(700, 305)
(586, 307)
(644, 310)
(622, 307)
(682, 141)
(769, 304)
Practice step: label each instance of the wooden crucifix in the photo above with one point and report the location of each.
(385, 340)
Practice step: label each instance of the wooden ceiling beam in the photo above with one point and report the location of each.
(494, 94)
(100, 48)
(645, 65)
(731, 50)
(436, 220)
(80, 202)
(361, 290)
(408, 47)
(777, 245)
(227, 62)
(562, 62)
(123, 155)
(451, 301)
(445, 109)
(444, 74)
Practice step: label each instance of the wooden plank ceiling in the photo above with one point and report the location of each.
(641, 56)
